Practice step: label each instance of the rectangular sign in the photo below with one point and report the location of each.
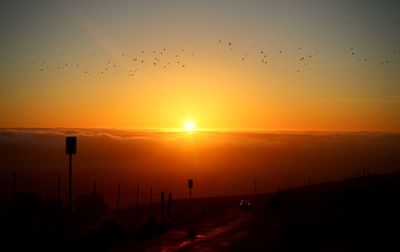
(190, 183)
(70, 145)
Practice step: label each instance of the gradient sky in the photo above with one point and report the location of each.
(241, 65)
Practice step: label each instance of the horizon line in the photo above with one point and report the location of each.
(209, 130)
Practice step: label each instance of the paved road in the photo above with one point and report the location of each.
(214, 234)
(216, 239)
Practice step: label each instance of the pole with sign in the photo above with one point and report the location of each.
(190, 185)
(70, 149)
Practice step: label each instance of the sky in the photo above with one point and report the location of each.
(227, 65)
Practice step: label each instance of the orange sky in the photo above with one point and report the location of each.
(78, 65)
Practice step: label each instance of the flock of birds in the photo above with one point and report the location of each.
(264, 59)
(156, 58)
(360, 58)
(164, 59)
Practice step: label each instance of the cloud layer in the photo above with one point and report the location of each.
(220, 162)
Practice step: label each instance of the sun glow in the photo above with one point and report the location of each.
(189, 125)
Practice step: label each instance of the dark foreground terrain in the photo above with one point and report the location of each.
(360, 214)
(357, 214)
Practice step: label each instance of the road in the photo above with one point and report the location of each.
(216, 239)
(213, 234)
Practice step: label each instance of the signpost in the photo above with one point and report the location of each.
(70, 149)
(190, 185)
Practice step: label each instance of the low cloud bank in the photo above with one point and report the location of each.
(220, 162)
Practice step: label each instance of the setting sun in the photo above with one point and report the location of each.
(189, 125)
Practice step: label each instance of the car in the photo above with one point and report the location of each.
(245, 204)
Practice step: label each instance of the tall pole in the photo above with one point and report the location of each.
(70, 149)
(70, 188)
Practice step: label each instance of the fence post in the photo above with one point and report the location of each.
(151, 200)
(118, 192)
(169, 204)
(14, 200)
(137, 203)
(94, 200)
(162, 207)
